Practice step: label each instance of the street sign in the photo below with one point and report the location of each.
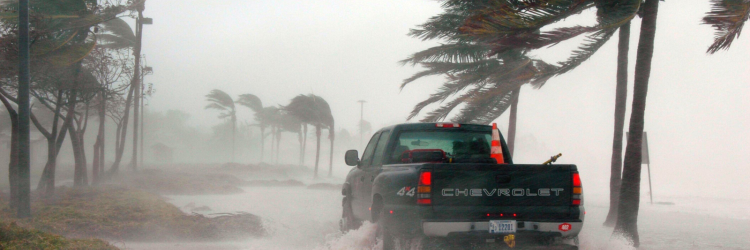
(646, 159)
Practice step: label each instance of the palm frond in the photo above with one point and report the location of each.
(592, 43)
(443, 111)
(251, 101)
(214, 105)
(442, 26)
(500, 18)
(611, 14)
(453, 52)
(117, 35)
(119, 28)
(439, 68)
(220, 98)
(727, 17)
(484, 110)
(531, 41)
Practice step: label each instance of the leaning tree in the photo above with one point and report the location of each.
(313, 110)
(221, 101)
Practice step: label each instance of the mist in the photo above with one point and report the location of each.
(696, 118)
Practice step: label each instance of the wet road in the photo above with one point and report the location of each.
(300, 218)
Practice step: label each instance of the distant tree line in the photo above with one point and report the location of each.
(302, 110)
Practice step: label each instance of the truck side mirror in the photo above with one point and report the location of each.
(352, 157)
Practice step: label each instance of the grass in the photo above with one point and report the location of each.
(117, 213)
(14, 237)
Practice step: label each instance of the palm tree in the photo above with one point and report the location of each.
(466, 60)
(220, 100)
(621, 95)
(313, 110)
(728, 18)
(513, 25)
(627, 215)
(256, 105)
(286, 122)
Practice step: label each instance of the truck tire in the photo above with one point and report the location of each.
(348, 222)
(389, 242)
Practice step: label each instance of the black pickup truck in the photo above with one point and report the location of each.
(439, 181)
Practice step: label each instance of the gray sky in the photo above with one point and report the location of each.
(697, 111)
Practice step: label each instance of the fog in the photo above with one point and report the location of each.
(697, 115)
(348, 51)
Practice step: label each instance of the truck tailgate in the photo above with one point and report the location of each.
(489, 190)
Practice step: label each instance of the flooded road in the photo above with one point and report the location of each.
(301, 218)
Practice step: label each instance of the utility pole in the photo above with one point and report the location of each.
(137, 79)
(24, 157)
(361, 121)
(146, 71)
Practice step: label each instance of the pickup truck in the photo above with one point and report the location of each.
(439, 181)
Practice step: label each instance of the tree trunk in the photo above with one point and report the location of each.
(122, 133)
(273, 142)
(54, 143)
(47, 181)
(262, 143)
(621, 97)
(76, 139)
(627, 216)
(278, 144)
(299, 138)
(13, 165)
(512, 120)
(317, 149)
(99, 145)
(304, 144)
(234, 133)
(79, 175)
(332, 136)
(95, 162)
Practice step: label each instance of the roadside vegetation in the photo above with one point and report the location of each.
(118, 214)
(14, 237)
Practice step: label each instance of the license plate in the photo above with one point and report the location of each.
(502, 226)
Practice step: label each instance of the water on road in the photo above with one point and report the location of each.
(301, 218)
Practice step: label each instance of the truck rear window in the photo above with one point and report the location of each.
(429, 146)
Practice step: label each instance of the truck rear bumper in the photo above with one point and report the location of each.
(481, 228)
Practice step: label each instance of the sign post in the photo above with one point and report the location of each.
(646, 159)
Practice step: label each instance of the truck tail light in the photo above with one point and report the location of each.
(577, 190)
(424, 189)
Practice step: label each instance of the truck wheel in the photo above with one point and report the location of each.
(348, 222)
(389, 243)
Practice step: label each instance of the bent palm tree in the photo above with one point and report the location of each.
(220, 100)
(256, 105)
(313, 110)
(286, 122)
(494, 83)
(627, 216)
(621, 95)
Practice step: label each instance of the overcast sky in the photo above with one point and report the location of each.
(697, 110)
